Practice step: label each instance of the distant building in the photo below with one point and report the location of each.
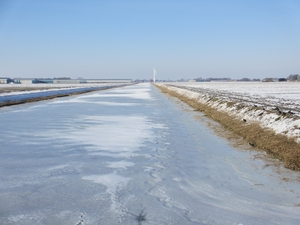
(66, 81)
(282, 79)
(5, 80)
(219, 80)
(46, 81)
(108, 81)
(24, 80)
(269, 80)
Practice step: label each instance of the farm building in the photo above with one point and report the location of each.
(5, 80)
(25, 80)
(108, 81)
(69, 81)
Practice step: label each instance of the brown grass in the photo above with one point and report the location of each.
(287, 150)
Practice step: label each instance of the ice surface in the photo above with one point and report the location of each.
(81, 100)
(108, 133)
(112, 181)
(142, 155)
(140, 93)
(120, 164)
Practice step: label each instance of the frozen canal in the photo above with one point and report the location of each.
(131, 156)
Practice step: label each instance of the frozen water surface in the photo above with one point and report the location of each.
(131, 156)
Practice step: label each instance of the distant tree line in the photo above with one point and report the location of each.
(293, 77)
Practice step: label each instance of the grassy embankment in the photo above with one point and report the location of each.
(287, 150)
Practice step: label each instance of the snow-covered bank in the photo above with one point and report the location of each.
(273, 105)
(264, 124)
(46, 91)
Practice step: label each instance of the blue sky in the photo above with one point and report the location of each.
(126, 39)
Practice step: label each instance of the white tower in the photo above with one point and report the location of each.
(154, 74)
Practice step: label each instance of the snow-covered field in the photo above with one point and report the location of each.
(284, 95)
(273, 105)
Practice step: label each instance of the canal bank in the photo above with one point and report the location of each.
(48, 93)
(247, 122)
